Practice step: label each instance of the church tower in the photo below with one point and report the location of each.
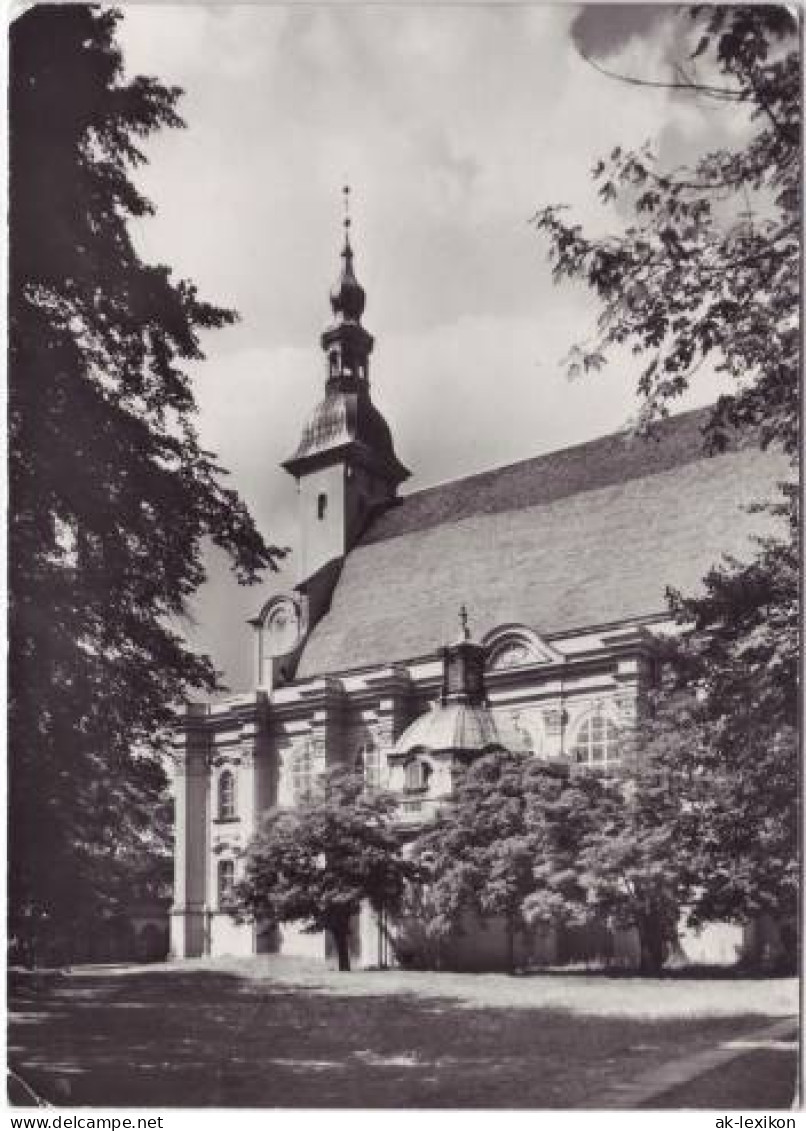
(345, 463)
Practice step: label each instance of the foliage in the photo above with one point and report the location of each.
(736, 829)
(479, 856)
(707, 270)
(740, 646)
(317, 863)
(708, 267)
(726, 722)
(526, 846)
(608, 854)
(630, 865)
(111, 494)
(563, 821)
(737, 662)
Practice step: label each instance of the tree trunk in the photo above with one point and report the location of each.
(653, 945)
(341, 937)
(790, 958)
(510, 944)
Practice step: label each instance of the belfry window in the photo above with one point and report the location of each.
(597, 742)
(226, 796)
(226, 882)
(321, 506)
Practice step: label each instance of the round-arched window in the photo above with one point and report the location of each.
(597, 742)
(226, 796)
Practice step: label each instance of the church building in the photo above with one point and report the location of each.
(560, 564)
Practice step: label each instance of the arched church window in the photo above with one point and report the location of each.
(321, 506)
(597, 741)
(418, 774)
(226, 796)
(302, 775)
(226, 882)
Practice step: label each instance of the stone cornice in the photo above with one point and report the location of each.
(212, 718)
(375, 686)
(300, 699)
(225, 725)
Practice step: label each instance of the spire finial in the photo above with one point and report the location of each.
(347, 298)
(347, 220)
(465, 631)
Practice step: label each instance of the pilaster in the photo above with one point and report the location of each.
(191, 793)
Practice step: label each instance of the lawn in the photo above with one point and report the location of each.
(278, 1032)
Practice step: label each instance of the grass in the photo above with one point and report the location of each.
(275, 1032)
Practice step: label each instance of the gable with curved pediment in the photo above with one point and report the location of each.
(514, 645)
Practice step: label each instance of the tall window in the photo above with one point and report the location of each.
(368, 763)
(226, 882)
(226, 796)
(417, 775)
(597, 742)
(302, 774)
(321, 506)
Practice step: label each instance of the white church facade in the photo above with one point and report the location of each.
(562, 561)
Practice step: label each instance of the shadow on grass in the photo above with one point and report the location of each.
(715, 973)
(198, 1038)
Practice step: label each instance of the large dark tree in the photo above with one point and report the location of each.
(111, 494)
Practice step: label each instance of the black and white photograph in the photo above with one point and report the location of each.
(403, 575)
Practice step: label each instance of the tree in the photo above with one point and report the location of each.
(708, 270)
(736, 830)
(111, 494)
(479, 856)
(735, 670)
(317, 863)
(608, 853)
(630, 866)
(562, 821)
(708, 267)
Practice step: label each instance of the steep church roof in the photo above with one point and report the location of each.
(583, 537)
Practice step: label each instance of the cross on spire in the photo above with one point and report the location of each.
(465, 631)
(347, 220)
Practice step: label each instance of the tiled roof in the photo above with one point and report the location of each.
(587, 536)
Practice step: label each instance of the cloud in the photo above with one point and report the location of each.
(602, 30)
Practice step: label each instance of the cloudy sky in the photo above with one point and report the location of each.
(452, 124)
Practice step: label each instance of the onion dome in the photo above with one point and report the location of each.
(347, 298)
(461, 729)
